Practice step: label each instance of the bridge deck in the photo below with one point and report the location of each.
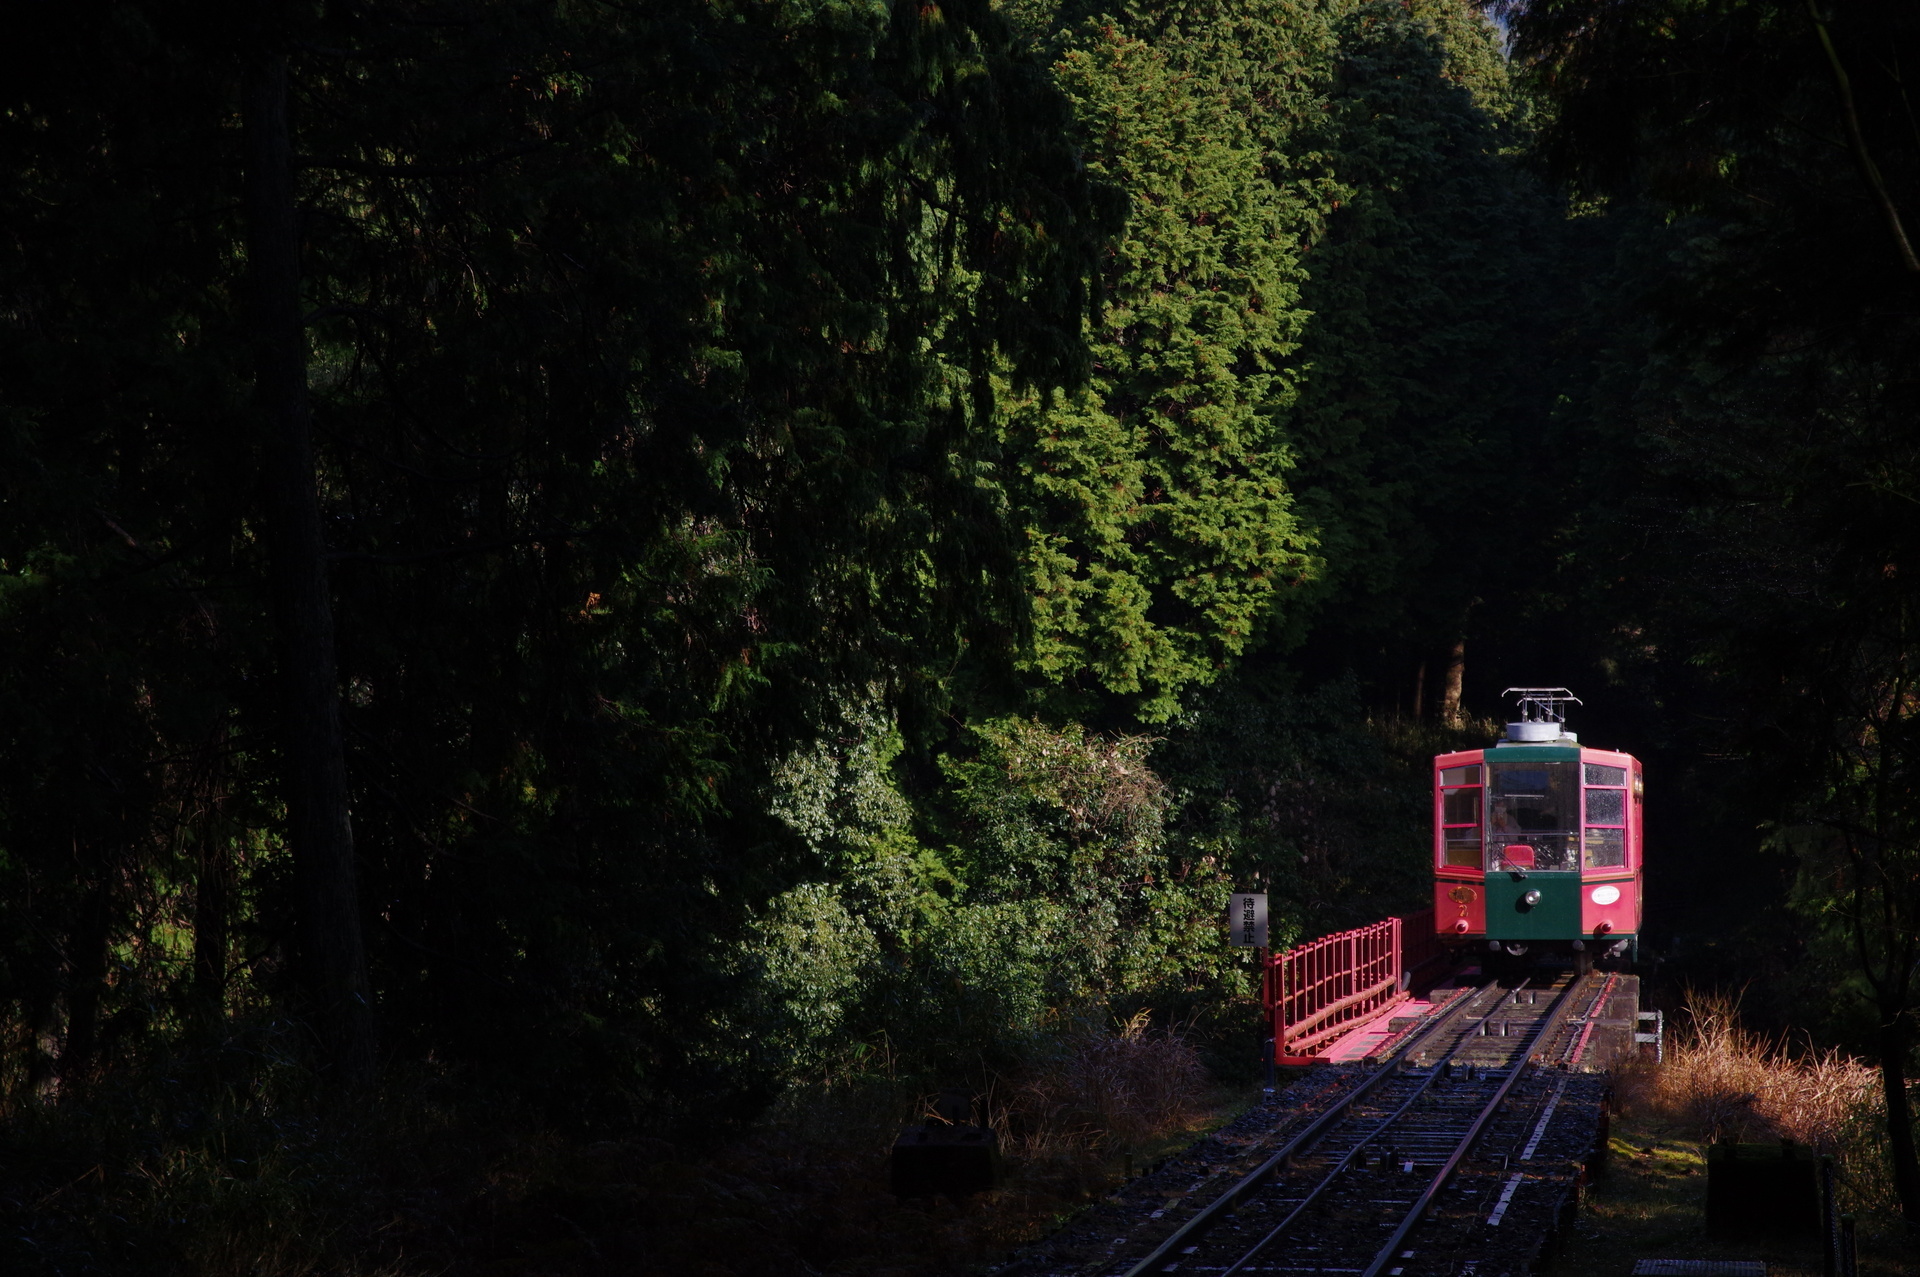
(1609, 1040)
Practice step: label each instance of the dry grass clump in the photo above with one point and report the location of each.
(1104, 1089)
(1723, 1081)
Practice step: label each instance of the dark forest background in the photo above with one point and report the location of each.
(598, 562)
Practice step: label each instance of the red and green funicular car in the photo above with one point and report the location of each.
(1537, 842)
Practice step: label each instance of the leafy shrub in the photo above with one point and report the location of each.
(1034, 887)
(1106, 1088)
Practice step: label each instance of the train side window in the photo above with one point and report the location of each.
(1460, 807)
(1606, 848)
(1606, 806)
(1460, 816)
(1601, 774)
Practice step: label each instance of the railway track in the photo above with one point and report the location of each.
(1412, 1172)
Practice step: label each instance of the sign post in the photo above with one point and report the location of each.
(1248, 918)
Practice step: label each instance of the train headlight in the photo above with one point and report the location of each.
(1605, 895)
(1532, 898)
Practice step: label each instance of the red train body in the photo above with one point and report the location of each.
(1537, 841)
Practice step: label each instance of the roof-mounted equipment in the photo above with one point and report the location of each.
(1541, 716)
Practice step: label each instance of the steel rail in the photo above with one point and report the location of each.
(1204, 1218)
(1575, 1049)
(1339, 1168)
(1521, 1064)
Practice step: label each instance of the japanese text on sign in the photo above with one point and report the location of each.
(1249, 920)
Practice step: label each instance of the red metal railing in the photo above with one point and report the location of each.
(1420, 947)
(1319, 990)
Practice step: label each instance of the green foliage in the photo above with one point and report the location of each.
(1296, 790)
(1766, 380)
(778, 461)
(1036, 881)
(1428, 349)
(1160, 535)
(674, 373)
(649, 355)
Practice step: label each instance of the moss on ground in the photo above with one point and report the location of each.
(1651, 1204)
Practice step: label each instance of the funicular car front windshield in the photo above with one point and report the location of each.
(1535, 805)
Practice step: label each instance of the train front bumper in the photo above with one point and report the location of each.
(1536, 907)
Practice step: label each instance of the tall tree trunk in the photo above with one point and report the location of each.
(1896, 1040)
(43, 985)
(212, 888)
(1456, 677)
(211, 899)
(1862, 157)
(330, 952)
(1420, 691)
(87, 975)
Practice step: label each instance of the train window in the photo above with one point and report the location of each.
(1556, 853)
(1536, 851)
(1463, 848)
(1606, 848)
(1600, 774)
(1529, 798)
(1461, 807)
(1522, 782)
(1606, 806)
(1459, 776)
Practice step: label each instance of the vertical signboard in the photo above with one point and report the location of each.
(1248, 919)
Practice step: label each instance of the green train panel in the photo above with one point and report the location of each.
(1537, 844)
